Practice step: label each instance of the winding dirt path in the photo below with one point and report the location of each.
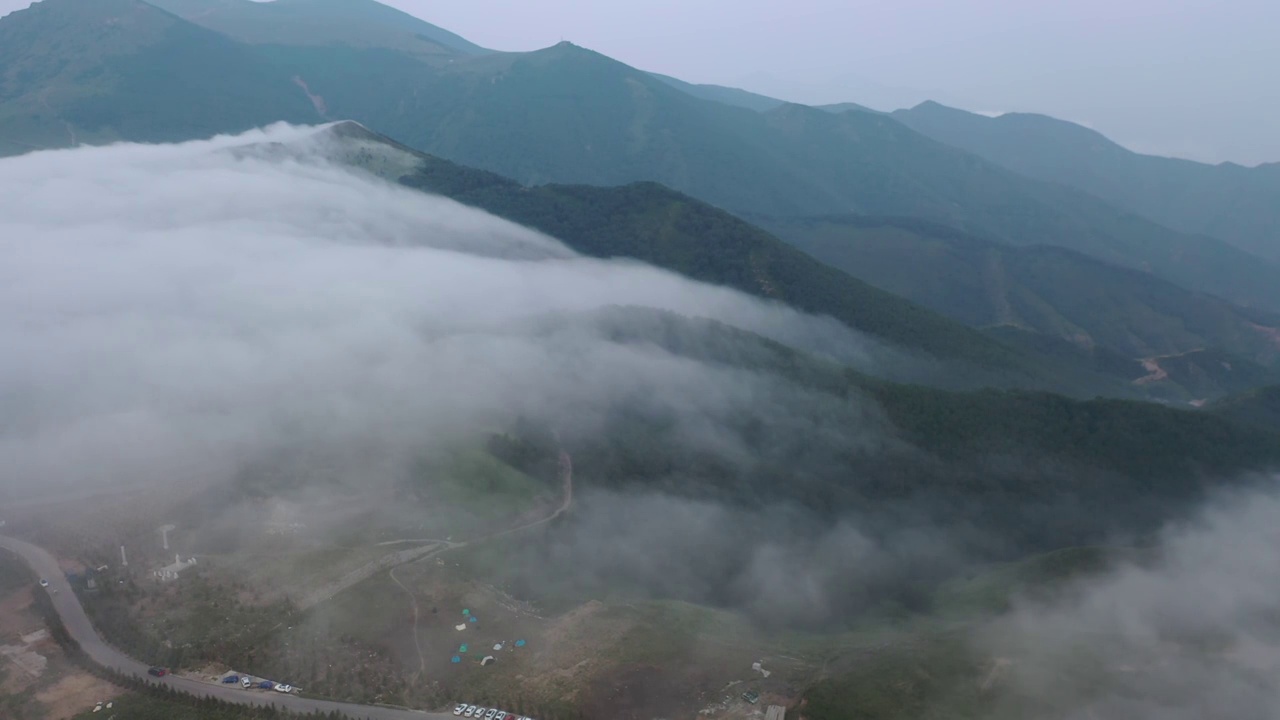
(413, 600)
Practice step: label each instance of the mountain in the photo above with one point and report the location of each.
(660, 226)
(92, 72)
(354, 23)
(569, 115)
(1238, 204)
(1055, 292)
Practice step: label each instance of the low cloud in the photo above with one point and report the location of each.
(1191, 629)
(171, 312)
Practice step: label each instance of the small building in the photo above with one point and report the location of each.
(775, 712)
(171, 572)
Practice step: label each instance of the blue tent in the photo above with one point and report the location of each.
(519, 643)
(455, 659)
(473, 618)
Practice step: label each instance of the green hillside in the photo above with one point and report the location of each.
(1046, 290)
(94, 72)
(1234, 203)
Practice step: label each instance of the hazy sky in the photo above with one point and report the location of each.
(1182, 77)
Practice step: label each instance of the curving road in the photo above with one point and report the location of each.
(79, 627)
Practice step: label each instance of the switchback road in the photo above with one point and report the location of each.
(82, 631)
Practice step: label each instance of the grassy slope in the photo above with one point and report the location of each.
(1234, 203)
(478, 483)
(1047, 290)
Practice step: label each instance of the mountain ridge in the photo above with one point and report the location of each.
(1232, 202)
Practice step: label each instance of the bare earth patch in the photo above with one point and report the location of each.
(74, 694)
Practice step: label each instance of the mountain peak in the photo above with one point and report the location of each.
(356, 23)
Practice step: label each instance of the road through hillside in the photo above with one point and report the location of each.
(81, 630)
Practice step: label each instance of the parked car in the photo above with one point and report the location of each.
(230, 679)
(462, 707)
(282, 687)
(157, 671)
(246, 682)
(489, 715)
(44, 583)
(266, 685)
(479, 712)
(470, 711)
(502, 715)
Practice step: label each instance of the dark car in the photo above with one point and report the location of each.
(158, 671)
(228, 680)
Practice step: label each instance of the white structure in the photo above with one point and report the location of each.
(171, 572)
(164, 534)
(124, 561)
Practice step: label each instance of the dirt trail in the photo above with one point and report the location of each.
(413, 600)
(1155, 372)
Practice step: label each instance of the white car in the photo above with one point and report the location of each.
(281, 687)
(462, 707)
(489, 715)
(44, 583)
(246, 682)
(471, 711)
(479, 712)
(502, 715)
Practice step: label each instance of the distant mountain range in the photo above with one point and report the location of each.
(1002, 236)
(1227, 201)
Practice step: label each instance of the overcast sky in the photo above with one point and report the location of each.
(1191, 78)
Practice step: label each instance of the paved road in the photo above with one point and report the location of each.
(79, 627)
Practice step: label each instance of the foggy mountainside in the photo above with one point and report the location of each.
(747, 448)
(353, 368)
(1227, 201)
(566, 114)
